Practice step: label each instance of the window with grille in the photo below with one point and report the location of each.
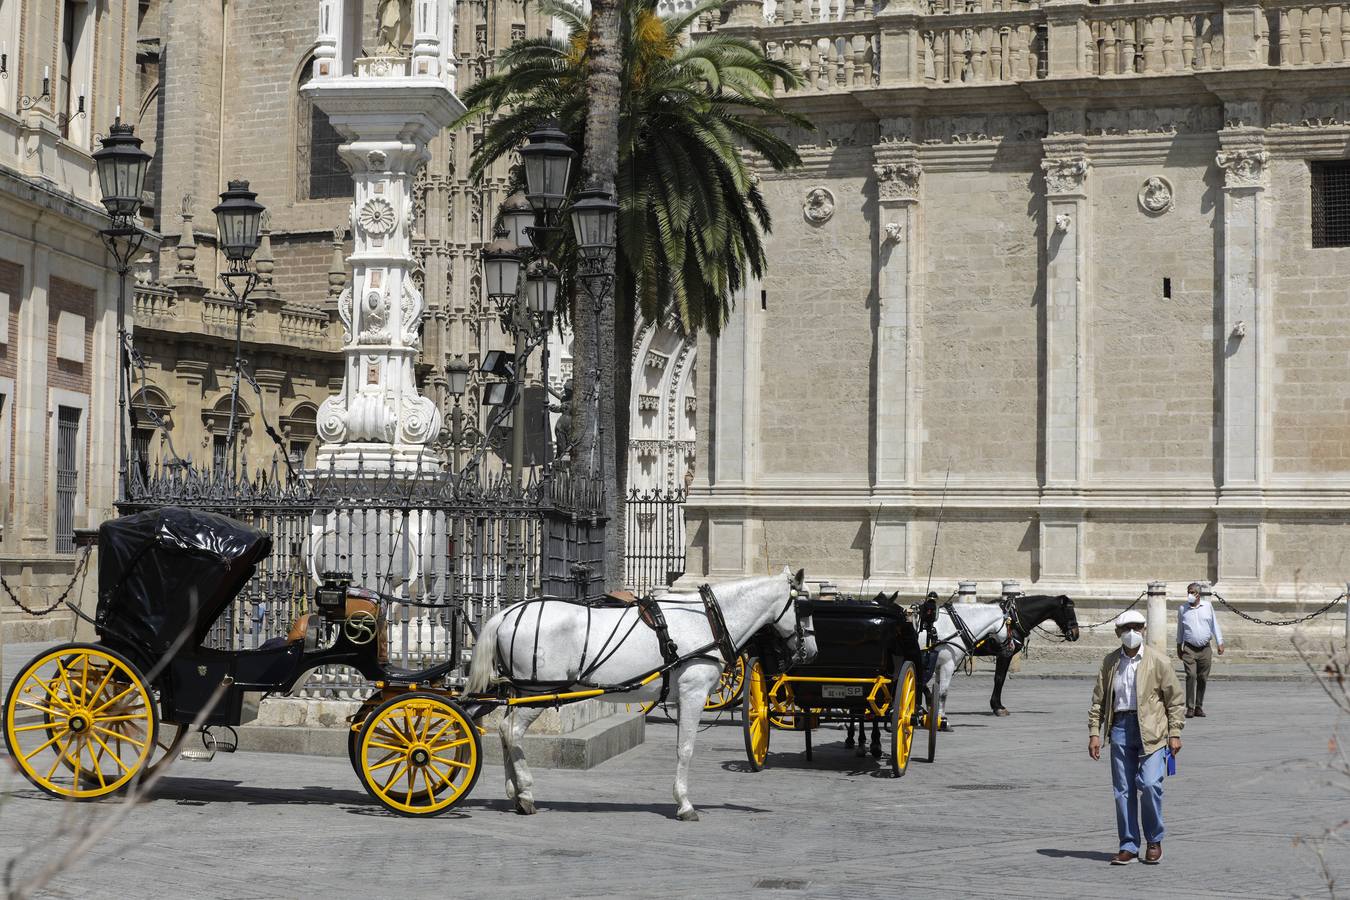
(1331, 203)
(321, 172)
(220, 452)
(67, 476)
(140, 452)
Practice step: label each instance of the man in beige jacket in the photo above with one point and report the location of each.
(1139, 706)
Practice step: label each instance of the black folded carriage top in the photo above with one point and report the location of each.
(171, 571)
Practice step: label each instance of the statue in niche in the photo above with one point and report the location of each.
(394, 20)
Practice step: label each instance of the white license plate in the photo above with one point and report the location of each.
(840, 691)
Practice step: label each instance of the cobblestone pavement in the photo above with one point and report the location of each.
(1013, 807)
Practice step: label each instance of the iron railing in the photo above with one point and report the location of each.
(448, 551)
(654, 539)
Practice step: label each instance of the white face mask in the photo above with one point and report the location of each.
(1131, 639)
(1195, 599)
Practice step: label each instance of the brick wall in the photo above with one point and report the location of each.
(816, 340)
(1152, 358)
(302, 266)
(1310, 394)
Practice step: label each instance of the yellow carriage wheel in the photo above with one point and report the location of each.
(418, 754)
(782, 709)
(904, 704)
(80, 721)
(755, 714)
(728, 689)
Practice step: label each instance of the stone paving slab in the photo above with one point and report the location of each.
(1012, 808)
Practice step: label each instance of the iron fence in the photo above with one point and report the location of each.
(654, 539)
(449, 551)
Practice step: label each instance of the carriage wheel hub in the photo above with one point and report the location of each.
(77, 723)
(420, 756)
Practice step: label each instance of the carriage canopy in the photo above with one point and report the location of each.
(171, 570)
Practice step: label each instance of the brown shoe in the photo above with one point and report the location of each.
(1124, 858)
(1189, 712)
(1153, 855)
(1199, 713)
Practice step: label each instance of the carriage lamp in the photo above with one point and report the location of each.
(501, 267)
(331, 595)
(121, 165)
(548, 164)
(238, 222)
(593, 220)
(518, 218)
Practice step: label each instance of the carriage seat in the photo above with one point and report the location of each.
(300, 628)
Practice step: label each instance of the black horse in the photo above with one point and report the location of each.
(1026, 613)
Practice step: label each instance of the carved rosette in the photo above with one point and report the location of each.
(1244, 168)
(1065, 175)
(898, 181)
(376, 216)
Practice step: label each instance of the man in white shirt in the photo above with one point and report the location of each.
(1136, 706)
(1196, 627)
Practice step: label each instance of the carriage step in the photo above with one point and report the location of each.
(198, 755)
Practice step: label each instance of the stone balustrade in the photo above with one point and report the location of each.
(307, 324)
(218, 314)
(842, 45)
(179, 310)
(154, 301)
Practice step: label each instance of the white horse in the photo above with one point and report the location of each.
(983, 621)
(549, 646)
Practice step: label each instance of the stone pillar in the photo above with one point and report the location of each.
(735, 431)
(1066, 279)
(29, 419)
(898, 201)
(1011, 589)
(901, 44)
(1157, 615)
(387, 113)
(965, 591)
(189, 431)
(1066, 38)
(1243, 160)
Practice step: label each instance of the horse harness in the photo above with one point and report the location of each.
(968, 640)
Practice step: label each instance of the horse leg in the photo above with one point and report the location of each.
(944, 680)
(848, 738)
(862, 734)
(1002, 663)
(519, 781)
(876, 738)
(695, 682)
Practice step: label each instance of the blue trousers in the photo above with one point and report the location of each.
(1138, 783)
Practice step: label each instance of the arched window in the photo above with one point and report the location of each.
(300, 433)
(217, 422)
(150, 412)
(320, 172)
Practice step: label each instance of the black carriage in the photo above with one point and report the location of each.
(85, 720)
(868, 669)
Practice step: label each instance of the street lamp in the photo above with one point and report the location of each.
(121, 165)
(501, 267)
(593, 219)
(518, 218)
(548, 165)
(541, 288)
(238, 227)
(457, 382)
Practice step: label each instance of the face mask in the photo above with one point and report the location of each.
(1195, 599)
(1131, 639)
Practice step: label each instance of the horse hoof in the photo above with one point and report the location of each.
(1001, 712)
(525, 807)
(688, 815)
(876, 753)
(848, 743)
(944, 726)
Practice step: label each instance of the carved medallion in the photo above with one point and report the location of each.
(1156, 196)
(376, 160)
(819, 206)
(376, 216)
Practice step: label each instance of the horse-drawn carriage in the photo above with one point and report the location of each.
(86, 720)
(868, 669)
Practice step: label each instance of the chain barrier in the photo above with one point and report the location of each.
(1274, 624)
(39, 613)
(1112, 619)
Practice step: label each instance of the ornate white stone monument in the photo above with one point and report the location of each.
(388, 107)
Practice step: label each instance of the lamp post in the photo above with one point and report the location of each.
(121, 165)
(457, 381)
(594, 215)
(238, 223)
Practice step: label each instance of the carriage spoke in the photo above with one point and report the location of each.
(107, 676)
(386, 763)
(437, 736)
(115, 757)
(459, 743)
(394, 777)
(451, 762)
(48, 725)
(40, 707)
(387, 747)
(46, 744)
(100, 709)
(130, 740)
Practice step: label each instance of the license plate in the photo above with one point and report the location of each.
(840, 691)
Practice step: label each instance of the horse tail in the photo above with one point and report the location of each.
(483, 667)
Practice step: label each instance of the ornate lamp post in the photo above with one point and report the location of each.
(594, 214)
(121, 167)
(238, 225)
(457, 382)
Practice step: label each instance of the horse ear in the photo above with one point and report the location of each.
(895, 596)
(799, 577)
(880, 597)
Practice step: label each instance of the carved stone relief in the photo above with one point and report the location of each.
(1065, 175)
(819, 206)
(376, 216)
(898, 181)
(1243, 168)
(1156, 196)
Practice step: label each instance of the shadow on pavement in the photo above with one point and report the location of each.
(1099, 855)
(664, 810)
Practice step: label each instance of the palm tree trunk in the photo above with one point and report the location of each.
(600, 158)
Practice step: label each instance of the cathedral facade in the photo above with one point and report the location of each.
(1068, 278)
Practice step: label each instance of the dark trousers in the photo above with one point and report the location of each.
(1196, 663)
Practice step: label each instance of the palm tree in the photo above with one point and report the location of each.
(691, 216)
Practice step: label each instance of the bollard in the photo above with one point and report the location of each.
(965, 591)
(1011, 589)
(1157, 616)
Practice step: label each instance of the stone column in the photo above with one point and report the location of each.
(1242, 159)
(29, 419)
(192, 373)
(1066, 279)
(1157, 615)
(966, 591)
(735, 430)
